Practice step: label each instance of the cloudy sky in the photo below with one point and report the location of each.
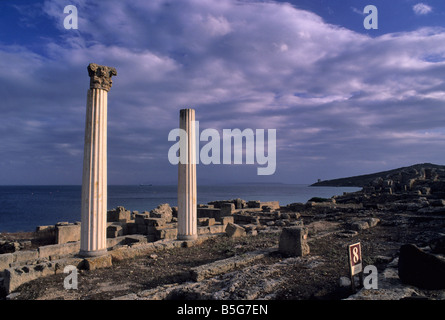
(344, 100)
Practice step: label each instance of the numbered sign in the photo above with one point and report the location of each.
(355, 258)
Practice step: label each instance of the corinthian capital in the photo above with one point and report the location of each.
(100, 76)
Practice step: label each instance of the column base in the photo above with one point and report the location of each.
(96, 253)
(187, 236)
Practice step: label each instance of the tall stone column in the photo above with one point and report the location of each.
(93, 239)
(187, 216)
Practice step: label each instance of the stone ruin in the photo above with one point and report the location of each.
(130, 233)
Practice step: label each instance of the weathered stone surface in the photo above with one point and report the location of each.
(155, 222)
(273, 205)
(114, 231)
(93, 263)
(163, 211)
(46, 232)
(100, 76)
(118, 215)
(421, 269)
(222, 266)
(217, 228)
(67, 233)
(234, 230)
(9, 246)
(166, 233)
(372, 222)
(359, 225)
(206, 221)
(293, 241)
(227, 219)
(5, 260)
(25, 256)
(227, 209)
(15, 277)
(60, 264)
(57, 250)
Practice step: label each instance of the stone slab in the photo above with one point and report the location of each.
(15, 277)
(54, 251)
(234, 230)
(67, 233)
(93, 263)
(25, 256)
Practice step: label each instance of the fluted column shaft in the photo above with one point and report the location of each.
(187, 190)
(93, 239)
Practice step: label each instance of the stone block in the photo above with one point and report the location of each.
(293, 241)
(166, 233)
(208, 212)
(163, 211)
(217, 228)
(203, 230)
(25, 256)
(113, 242)
(93, 263)
(15, 277)
(131, 228)
(254, 204)
(227, 209)
(206, 221)
(54, 251)
(60, 264)
(67, 233)
(239, 203)
(155, 222)
(5, 261)
(46, 232)
(140, 217)
(234, 230)
(227, 219)
(118, 215)
(114, 231)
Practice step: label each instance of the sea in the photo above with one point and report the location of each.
(23, 208)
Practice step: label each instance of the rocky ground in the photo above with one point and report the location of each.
(383, 217)
(316, 276)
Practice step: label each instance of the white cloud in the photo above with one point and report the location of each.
(240, 65)
(422, 9)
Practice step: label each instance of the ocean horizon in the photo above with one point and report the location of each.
(23, 208)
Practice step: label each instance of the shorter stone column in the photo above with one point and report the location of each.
(187, 190)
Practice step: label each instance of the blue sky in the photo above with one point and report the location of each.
(344, 100)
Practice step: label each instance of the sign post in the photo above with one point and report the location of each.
(355, 262)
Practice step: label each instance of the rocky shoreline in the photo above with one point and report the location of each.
(399, 219)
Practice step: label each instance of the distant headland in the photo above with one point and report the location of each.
(363, 180)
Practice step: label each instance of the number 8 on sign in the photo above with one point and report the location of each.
(355, 258)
